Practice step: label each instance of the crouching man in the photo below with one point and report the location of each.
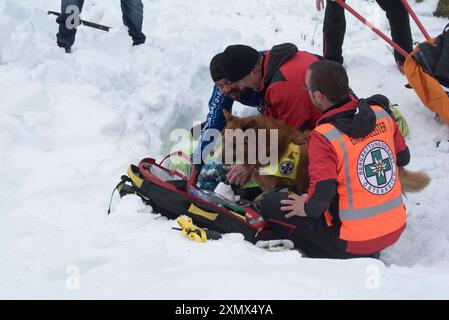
(354, 205)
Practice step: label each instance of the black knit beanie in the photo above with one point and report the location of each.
(237, 61)
(215, 71)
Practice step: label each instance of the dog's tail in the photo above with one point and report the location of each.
(413, 181)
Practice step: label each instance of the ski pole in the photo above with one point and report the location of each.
(86, 23)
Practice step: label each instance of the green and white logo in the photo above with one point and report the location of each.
(376, 168)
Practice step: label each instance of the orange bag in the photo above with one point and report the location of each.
(428, 89)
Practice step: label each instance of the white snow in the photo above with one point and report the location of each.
(70, 125)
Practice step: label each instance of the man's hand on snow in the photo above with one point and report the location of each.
(238, 174)
(294, 204)
(320, 5)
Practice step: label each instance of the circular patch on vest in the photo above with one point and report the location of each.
(286, 167)
(376, 168)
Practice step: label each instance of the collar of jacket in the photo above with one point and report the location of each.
(354, 118)
(273, 60)
(336, 106)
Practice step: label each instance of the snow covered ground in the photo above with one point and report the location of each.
(71, 124)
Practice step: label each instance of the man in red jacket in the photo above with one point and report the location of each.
(354, 205)
(279, 76)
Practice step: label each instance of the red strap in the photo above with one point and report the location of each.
(193, 172)
(372, 27)
(416, 19)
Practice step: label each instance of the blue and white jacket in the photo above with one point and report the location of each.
(215, 119)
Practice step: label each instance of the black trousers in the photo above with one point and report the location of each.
(313, 237)
(335, 27)
(132, 15)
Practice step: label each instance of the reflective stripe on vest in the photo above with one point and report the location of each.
(370, 199)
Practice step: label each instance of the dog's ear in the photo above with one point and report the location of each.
(298, 137)
(302, 137)
(305, 134)
(228, 116)
(250, 124)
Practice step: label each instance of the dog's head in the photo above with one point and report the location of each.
(240, 137)
(252, 140)
(256, 136)
(235, 123)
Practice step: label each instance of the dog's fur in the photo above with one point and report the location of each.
(286, 135)
(410, 181)
(413, 181)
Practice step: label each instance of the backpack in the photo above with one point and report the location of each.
(427, 71)
(173, 194)
(434, 57)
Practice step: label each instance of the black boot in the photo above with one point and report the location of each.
(67, 48)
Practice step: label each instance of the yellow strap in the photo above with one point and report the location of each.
(287, 166)
(199, 212)
(135, 178)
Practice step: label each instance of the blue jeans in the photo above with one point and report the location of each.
(132, 14)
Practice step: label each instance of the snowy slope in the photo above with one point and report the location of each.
(71, 124)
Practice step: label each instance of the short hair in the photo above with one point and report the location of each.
(331, 79)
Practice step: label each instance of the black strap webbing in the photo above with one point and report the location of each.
(123, 180)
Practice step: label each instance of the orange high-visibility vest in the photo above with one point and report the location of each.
(370, 199)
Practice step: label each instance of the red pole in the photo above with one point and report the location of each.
(373, 28)
(415, 17)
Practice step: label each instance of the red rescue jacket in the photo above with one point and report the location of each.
(282, 87)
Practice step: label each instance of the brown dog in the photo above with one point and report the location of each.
(410, 181)
(286, 136)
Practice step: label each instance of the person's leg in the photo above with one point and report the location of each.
(66, 36)
(313, 237)
(132, 13)
(334, 29)
(400, 25)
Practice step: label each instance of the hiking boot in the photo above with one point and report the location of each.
(400, 66)
(138, 42)
(67, 47)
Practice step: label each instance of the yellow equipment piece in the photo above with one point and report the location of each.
(195, 233)
(199, 212)
(287, 166)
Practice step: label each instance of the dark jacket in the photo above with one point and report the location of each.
(434, 58)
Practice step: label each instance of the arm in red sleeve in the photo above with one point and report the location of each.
(402, 151)
(323, 165)
(291, 105)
